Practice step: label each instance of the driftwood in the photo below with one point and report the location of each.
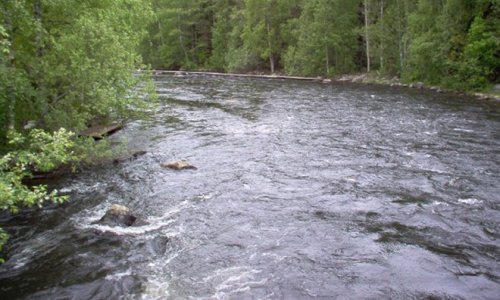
(100, 131)
(38, 177)
(184, 73)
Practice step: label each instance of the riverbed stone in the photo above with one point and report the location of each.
(417, 85)
(129, 157)
(119, 215)
(178, 165)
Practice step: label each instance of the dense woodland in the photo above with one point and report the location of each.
(452, 43)
(66, 63)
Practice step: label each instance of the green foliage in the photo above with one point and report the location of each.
(438, 42)
(37, 151)
(264, 33)
(454, 43)
(481, 56)
(3, 239)
(63, 65)
(41, 151)
(225, 28)
(71, 62)
(326, 39)
(180, 36)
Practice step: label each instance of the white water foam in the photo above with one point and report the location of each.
(154, 223)
(463, 130)
(233, 280)
(470, 201)
(118, 275)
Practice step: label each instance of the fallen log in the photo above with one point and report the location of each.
(98, 132)
(186, 73)
(38, 177)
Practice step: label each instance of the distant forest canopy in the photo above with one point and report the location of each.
(452, 43)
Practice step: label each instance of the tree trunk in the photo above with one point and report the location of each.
(405, 28)
(269, 45)
(39, 81)
(327, 60)
(400, 35)
(367, 38)
(403, 12)
(271, 62)
(160, 31)
(38, 14)
(181, 39)
(381, 35)
(9, 64)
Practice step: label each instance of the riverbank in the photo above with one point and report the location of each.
(363, 78)
(395, 81)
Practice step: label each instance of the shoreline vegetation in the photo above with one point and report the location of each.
(363, 78)
(64, 66)
(448, 45)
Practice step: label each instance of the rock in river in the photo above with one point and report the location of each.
(129, 157)
(119, 215)
(178, 165)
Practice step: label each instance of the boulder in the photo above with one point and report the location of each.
(417, 85)
(496, 88)
(119, 215)
(359, 78)
(178, 165)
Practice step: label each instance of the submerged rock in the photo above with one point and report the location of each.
(178, 165)
(119, 215)
(130, 157)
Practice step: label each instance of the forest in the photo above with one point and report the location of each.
(450, 43)
(65, 63)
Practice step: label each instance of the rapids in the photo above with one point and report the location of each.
(303, 191)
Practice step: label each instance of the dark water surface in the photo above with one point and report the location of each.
(303, 191)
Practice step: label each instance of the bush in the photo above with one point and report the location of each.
(480, 57)
(36, 151)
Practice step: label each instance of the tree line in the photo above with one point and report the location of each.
(452, 43)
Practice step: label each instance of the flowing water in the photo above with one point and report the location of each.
(303, 191)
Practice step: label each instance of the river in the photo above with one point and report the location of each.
(303, 190)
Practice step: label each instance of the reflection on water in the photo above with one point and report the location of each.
(303, 190)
